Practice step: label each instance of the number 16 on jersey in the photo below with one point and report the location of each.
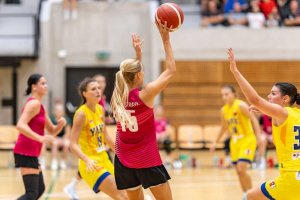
(133, 126)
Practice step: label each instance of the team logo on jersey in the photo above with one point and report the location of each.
(298, 176)
(272, 184)
(295, 156)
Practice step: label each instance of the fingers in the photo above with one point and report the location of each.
(163, 26)
(92, 166)
(136, 40)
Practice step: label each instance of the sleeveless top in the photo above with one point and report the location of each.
(136, 145)
(27, 146)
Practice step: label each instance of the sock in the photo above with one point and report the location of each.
(31, 184)
(244, 196)
(41, 185)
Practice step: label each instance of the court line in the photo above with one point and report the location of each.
(52, 183)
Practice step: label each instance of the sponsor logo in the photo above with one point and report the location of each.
(295, 156)
(272, 184)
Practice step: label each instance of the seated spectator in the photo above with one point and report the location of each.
(294, 15)
(237, 17)
(212, 15)
(162, 135)
(229, 5)
(255, 18)
(283, 9)
(61, 143)
(267, 7)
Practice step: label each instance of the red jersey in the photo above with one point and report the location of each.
(29, 147)
(136, 145)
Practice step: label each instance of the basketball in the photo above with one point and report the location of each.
(170, 13)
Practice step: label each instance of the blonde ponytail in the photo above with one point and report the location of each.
(124, 77)
(119, 99)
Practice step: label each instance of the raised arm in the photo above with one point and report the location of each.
(278, 113)
(154, 88)
(137, 45)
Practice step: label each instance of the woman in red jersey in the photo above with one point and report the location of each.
(137, 162)
(31, 125)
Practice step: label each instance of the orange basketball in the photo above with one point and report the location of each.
(171, 13)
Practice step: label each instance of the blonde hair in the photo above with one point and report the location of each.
(124, 78)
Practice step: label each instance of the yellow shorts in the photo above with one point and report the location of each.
(95, 178)
(285, 187)
(242, 149)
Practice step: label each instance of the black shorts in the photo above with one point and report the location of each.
(26, 161)
(127, 178)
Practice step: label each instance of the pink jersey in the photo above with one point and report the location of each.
(26, 146)
(136, 145)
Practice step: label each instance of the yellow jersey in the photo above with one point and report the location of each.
(239, 125)
(91, 138)
(286, 138)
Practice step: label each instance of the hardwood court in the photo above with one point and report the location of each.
(204, 182)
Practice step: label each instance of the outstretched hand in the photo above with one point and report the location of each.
(231, 59)
(163, 30)
(137, 45)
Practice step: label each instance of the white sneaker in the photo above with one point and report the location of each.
(70, 191)
(62, 164)
(54, 164)
(262, 165)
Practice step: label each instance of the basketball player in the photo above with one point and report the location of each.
(286, 136)
(137, 162)
(88, 137)
(244, 128)
(34, 119)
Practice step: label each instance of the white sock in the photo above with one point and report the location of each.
(73, 183)
(244, 196)
(66, 14)
(74, 14)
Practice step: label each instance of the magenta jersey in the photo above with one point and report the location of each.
(26, 146)
(136, 145)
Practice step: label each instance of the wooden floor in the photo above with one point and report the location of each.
(204, 182)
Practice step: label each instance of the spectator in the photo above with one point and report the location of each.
(212, 16)
(256, 19)
(294, 15)
(237, 17)
(229, 5)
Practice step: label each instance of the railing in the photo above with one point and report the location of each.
(19, 35)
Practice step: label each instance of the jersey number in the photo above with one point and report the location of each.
(133, 127)
(297, 137)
